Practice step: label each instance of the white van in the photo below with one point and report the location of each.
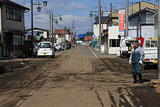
(45, 49)
(150, 52)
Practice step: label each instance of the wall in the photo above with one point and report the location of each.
(156, 26)
(59, 40)
(96, 29)
(10, 24)
(147, 27)
(148, 31)
(113, 34)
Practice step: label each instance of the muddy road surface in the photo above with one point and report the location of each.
(79, 77)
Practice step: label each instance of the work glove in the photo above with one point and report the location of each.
(140, 62)
(130, 61)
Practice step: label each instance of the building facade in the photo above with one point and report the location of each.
(141, 24)
(62, 35)
(11, 28)
(43, 33)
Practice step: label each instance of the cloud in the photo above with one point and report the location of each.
(41, 18)
(81, 22)
(73, 10)
(68, 18)
(66, 5)
(76, 6)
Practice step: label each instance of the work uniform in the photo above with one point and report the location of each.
(136, 56)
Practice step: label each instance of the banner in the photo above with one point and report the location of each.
(121, 21)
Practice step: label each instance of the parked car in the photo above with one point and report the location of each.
(45, 49)
(35, 49)
(150, 52)
(125, 47)
(63, 46)
(57, 47)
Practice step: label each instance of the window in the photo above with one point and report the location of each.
(13, 14)
(147, 43)
(7, 13)
(45, 45)
(22, 40)
(18, 40)
(114, 43)
(151, 43)
(154, 43)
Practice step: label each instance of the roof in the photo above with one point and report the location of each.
(142, 11)
(61, 31)
(14, 4)
(37, 29)
(135, 8)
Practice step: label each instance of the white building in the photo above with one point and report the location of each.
(42, 32)
(62, 35)
(96, 31)
(113, 40)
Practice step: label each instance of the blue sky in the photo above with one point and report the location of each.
(71, 10)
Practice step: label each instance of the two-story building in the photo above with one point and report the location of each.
(62, 35)
(11, 28)
(141, 24)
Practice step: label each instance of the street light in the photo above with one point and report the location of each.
(38, 9)
(60, 18)
(56, 21)
(45, 3)
(95, 17)
(91, 15)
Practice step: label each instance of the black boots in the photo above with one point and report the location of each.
(140, 78)
(135, 78)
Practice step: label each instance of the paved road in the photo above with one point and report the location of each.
(79, 78)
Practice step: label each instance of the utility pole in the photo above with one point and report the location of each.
(53, 38)
(126, 12)
(32, 27)
(159, 40)
(73, 27)
(99, 8)
(140, 20)
(111, 14)
(50, 24)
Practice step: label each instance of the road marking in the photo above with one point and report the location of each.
(93, 52)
